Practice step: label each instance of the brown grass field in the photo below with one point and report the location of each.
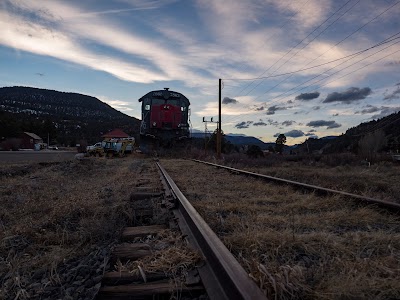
(59, 221)
(294, 245)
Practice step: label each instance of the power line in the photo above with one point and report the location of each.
(305, 45)
(338, 72)
(349, 72)
(358, 29)
(387, 40)
(316, 66)
(283, 25)
(291, 49)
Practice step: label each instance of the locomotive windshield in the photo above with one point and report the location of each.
(156, 101)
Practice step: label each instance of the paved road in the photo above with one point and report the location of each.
(10, 157)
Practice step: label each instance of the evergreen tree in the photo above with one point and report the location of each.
(280, 143)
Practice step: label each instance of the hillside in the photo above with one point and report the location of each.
(389, 127)
(66, 117)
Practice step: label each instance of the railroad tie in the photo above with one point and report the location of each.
(147, 289)
(130, 233)
(134, 285)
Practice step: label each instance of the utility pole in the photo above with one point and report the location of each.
(205, 132)
(219, 129)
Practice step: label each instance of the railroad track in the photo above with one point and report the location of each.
(392, 206)
(218, 275)
(295, 243)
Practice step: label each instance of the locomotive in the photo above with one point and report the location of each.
(165, 119)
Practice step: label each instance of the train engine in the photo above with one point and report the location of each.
(165, 119)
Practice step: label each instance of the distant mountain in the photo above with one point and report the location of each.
(241, 140)
(237, 139)
(66, 117)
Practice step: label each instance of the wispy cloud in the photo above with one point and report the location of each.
(272, 109)
(35, 38)
(288, 122)
(243, 124)
(385, 111)
(393, 95)
(368, 110)
(260, 123)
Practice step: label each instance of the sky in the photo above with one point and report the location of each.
(306, 68)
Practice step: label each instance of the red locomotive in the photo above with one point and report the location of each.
(165, 119)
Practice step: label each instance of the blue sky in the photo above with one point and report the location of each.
(119, 50)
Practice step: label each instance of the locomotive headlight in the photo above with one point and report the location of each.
(154, 124)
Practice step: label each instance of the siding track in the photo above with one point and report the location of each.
(394, 207)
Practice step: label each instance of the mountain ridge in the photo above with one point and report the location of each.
(67, 117)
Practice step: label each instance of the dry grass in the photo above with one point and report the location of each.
(52, 213)
(171, 256)
(297, 245)
(380, 180)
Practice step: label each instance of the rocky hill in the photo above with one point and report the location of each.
(65, 117)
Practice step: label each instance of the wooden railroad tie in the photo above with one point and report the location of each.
(130, 233)
(127, 285)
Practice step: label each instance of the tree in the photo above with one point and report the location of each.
(280, 143)
(226, 146)
(370, 144)
(254, 151)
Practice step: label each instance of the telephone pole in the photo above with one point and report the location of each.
(219, 128)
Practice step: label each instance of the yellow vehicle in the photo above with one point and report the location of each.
(112, 147)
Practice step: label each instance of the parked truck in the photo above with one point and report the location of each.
(111, 147)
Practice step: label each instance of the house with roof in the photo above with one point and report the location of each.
(29, 140)
(115, 134)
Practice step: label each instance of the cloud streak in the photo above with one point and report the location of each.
(393, 95)
(243, 125)
(272, 109)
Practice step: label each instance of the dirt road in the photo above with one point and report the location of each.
(12, 157)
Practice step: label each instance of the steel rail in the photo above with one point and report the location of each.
(392, 206)
(222, 275)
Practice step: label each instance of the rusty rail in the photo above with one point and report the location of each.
(392, 206)
(222, 275)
